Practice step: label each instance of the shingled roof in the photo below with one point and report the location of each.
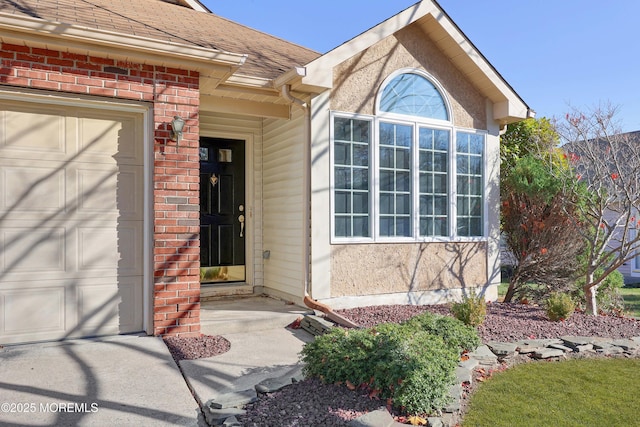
(267, 56)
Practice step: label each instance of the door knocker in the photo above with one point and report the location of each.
(213, 180)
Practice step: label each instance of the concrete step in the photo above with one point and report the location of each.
(247, 314)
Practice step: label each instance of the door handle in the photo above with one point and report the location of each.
(241, 220)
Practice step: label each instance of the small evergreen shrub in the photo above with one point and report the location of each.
(411, 363)
(471, 311)
(559, 306)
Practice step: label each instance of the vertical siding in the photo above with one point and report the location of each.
(283, 204)
(244, 127)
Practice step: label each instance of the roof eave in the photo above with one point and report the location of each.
(83, 40)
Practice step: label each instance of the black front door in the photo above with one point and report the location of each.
(222, 210)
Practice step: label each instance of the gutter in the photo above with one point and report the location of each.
(27, 30)
(285, 90)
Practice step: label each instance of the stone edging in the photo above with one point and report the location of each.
(222, 411)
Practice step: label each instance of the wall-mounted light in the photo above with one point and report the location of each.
(177, 125)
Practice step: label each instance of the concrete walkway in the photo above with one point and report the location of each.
(117, 381)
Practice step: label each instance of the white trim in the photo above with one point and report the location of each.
(422, 73)
(249, 196)
(432, 297)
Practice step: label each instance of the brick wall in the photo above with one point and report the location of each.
(176, 251)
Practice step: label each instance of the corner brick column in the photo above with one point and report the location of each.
(176, 194)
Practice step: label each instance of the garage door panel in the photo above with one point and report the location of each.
(34, 311)
(105, 309)
(110, 249)
(27, 250)
(96, 136)
(109, 191)
(35, 189)
(21, 127)
(71, 221)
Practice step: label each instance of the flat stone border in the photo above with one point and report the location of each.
(222, 411)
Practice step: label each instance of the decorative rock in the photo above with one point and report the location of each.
(636, 339)
(234, 399)
(574, 341)
(584, 348)
(502, 349)
(315, 325)
(377, 418)
(435, 422)
(628, 345)
(272, 384)
(216, 417)
(463, 375)
(484, 355)
(231, 422)
(548, 353)
(564, 348)
(469, 364)
(609, 351)
(456, 397)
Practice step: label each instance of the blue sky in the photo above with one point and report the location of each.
(556, 54)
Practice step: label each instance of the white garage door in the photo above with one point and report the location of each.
(71, 222)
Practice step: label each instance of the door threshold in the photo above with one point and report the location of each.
(214, 291)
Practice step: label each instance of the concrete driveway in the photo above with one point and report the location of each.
(115, 381)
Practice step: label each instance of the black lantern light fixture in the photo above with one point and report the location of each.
(177, 125)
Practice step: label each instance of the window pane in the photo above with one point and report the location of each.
(475, 227)
(426, 138)
(403, 181)
(403, 204)
(426, 205)
(475, 185)
(386, 134)
(475, 206)
(469, 183)
(342, 129)
(462, 165)
(441, 140)
(440, 205)
(342, 153)
(413, 94)
(361, 226)
(386, 157)
(386, 226)
(343, 178)
(476, 144)
(387, 181)
(440, 183)
(475, 165)
(361, 131)
(343, 202)
(361, 179)
(440, 162)
(425, 161)
(360, 202)
(342, 225)
(404, 136)
(360, 155)
(403, 227)
(426, 183)
(403, 158)
(441, 227)
(386, 204)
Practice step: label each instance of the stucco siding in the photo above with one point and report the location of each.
(357, 81)
(391, 268)
(283, 205)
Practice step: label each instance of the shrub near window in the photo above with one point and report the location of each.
(412, 363)
(471, 311)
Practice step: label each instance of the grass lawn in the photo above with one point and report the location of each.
(631, 298)
(587, 392)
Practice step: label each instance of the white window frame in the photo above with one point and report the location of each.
(374, 160)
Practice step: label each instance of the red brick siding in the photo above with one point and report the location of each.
(176, 251)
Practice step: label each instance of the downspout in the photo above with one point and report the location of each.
(308, 300)
(306, 182)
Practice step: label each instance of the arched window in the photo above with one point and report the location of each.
(407, 173)
(414, 95)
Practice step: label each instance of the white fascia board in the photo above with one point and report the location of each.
(196, 5)
(67, 37)
(319, 71)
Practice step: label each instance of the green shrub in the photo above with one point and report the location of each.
(412, 363)
(471, 311)
(559, 306)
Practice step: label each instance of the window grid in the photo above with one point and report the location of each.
(469, 183)
(395, 174)
(351, 179)
(433, 165)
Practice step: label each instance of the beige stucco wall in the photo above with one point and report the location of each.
(357, 80)
(403, 267)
